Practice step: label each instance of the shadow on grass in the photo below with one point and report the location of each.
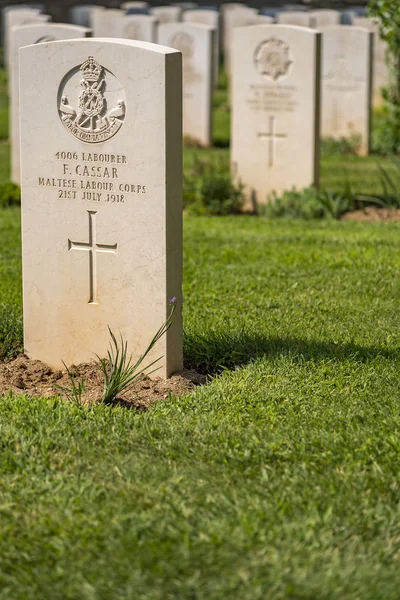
(215, 351)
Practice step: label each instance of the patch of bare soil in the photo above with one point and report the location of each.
(34, 378)
(372, 214)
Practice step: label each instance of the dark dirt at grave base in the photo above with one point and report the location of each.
(34, 378)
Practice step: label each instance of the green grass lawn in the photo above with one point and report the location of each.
(278, 480)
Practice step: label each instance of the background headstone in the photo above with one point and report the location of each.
(166, 14)
(325, 17)
(299, 18)
(233, 18)
(275, 108)
(134, 4)
(101, 198)
(14, 17)
(380, 70)
(37, 8)
(80, 14)
(210, 18)
(136, 27)
(196, 42)
(105, 21)
(26, 35)
(346, 84)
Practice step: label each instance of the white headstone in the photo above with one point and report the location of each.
(295, 17)
(167, 14)
(101, 198)
(232, 18)
(275, 108)
(380, 70)
(134, 4)
(325, 17)
(80, 15)
(26, 35)
(262, 19)
(12, 18)
(346, 83)
(210, 18)
(35, 8)
(105, 21)
(196, 42)
(136, 27)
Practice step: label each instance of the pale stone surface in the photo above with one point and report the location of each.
(212, 19)
(196, 42)
(380, 71)
(5, 20)
(12, 18)
(232, 18)
(262, 19)
(101, 198)
(167, 14)
(25, 35)
(105, 21)
(133, 4)
(346, 83)
(80, 15)
(275, 108)
(136, 27)
(295, 17)
(325, 17)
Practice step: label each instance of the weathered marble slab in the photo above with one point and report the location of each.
(275, 109)
(167, 14)
(346, 84)
(212, 19)
(196, 42)
(325, 17)
(136, 27)
(380, 69)
(295, 17)
(12, 18)
(101, 161)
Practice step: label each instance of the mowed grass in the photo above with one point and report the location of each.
(278, 480)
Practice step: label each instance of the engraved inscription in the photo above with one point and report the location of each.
(272, 59)
(271, 137)
(92, 177)
(92, 247)
(272, 98)
(91, 121)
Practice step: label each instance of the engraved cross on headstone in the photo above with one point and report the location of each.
(92, 247)
(271, 137)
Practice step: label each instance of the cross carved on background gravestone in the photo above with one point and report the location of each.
(271, 137)
(92, 247)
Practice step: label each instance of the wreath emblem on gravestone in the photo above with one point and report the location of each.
(184, 43)
(272, 59)
(91, 121)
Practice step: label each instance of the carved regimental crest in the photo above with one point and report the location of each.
(92, 119)
(272, 59)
